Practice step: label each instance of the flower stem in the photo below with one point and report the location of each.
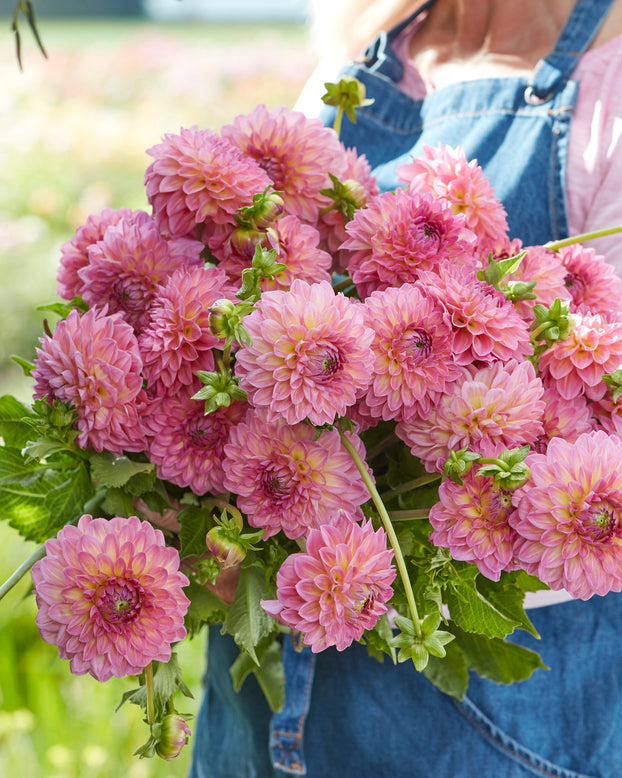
(21, 571)
(555, 245)
(409, 486)
(150, 694)
(412, 515)
(338, 119)
(342, 285)
(388, 526)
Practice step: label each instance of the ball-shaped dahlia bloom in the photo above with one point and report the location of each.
(446, 172)
(565, 419)
(199, 178)
(110, 596)
(309, 355)
(486, 410)
(413, 352)
(486, 325)
(399, 235)
(93, 362)
(338, 588)
(577, 364)
(297, 152)
(287, 478)
(471, 519)
(74, 253)
(569, 515)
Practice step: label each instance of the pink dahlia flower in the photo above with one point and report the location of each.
(338, 588)
(564, 418)
(288, 480)
(592, 283)
(570, 515)
(93, 362)
(310, 354)
(487, 410)
(126, 267)
(176, 340)
(110, 596)
(486, 325)
(74, 253)
(447, 174)
(399, 235)
(577, 365)
(296, 152)
(198, 177)
(607, 415)
(413, 352)
(186, 445)
(472, 520)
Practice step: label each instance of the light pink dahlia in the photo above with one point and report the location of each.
(486, 325)
(286, 479)
(297, 153)
(413, 352)
(446, 173)
(176, 340)
(310, 354)
(187, 445)
(93, 362)
(487, 410)
(564, 418)
(198, 177)
(592, 282)
(74, 253)
(126, 267)
(399, 235)
(570, 515)
(472, 520)
(338, 588)
(110, 596)
(593, 349)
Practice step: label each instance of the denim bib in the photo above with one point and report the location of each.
(345, 714)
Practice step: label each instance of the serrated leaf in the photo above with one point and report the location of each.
(195, 524)
(269, 674)
(116, 471)
(66, 501)
(508, 601)
(450, 673)
(378, 640)
(205, 606)
(118, 503)
(472, 612)
(499, 660)
(15, 468)
(13, 430)
(247, 621)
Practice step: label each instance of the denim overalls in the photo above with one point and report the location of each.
(345, 713)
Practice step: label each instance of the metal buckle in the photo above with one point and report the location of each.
(532, 98)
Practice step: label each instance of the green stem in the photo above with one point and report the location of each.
(150, 694)
(338, 118)
(412, 515)
(535, 335)
(409, 486)
(388, 526)
(341, 286)
(21, 571)
(555, 245)
(382, 446)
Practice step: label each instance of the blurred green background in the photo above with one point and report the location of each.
(74, 132)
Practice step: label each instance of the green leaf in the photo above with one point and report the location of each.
(15, 468)
(499, 660)
(115, 471)
(66, 501)
(378, 640)
(13, 430)
(269, 673)
(450, 673)
(118, 502)
(204, 607)
(195, 524)
(247, 621)
(508, 601)
(470, 609)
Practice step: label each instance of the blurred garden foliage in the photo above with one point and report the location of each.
(75, 128)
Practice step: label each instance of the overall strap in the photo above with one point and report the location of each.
(552, 73)
(379, 56)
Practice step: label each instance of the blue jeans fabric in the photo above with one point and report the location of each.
(372, 720)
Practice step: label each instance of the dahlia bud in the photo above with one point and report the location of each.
(225, 547)
(270, 209)
(244, 240)
(220, 315)
(459, 463)
(173, 736)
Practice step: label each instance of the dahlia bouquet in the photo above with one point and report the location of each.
(282, 401)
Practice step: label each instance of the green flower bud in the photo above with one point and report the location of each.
(173, 736)
(244, 240)
(220, 321)
(225, 547)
